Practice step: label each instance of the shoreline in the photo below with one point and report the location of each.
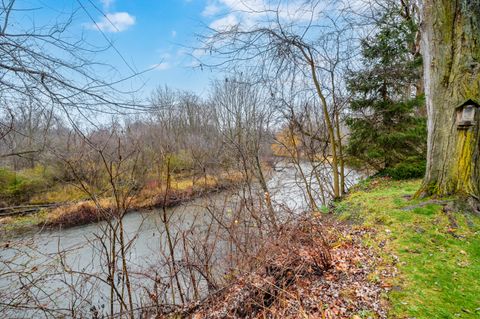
(87, 212)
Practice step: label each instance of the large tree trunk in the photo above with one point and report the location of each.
(451, 53)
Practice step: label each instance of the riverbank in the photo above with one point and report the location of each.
(83, 212)
(293, 282)
(393, 257)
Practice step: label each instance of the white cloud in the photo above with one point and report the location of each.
(244, 5)
(182, 52)
(174, 33)
(211, 10)
(248, 13)
(114, 22)
(107, 3)
(224, 23)
(165, 55)
(199, 53)
(161, 66)
(357, 6)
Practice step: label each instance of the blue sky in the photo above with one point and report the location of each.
(155, 34)
(159, 34)
(159, 37)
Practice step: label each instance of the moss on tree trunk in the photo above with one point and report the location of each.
(451, 52)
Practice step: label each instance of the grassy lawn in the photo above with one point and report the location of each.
(436, 251)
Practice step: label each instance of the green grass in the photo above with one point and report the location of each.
(19, 224)
(59, 193)
(437, 256)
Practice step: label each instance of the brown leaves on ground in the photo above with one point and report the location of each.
(299, 278)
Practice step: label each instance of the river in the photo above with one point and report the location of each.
(48, 273)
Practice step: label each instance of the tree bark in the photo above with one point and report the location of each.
(330, 129)
(266, 192)
(451, 53)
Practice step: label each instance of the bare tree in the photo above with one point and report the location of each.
(29, 136)
(244, 116)
(289, 41)
(44, 66)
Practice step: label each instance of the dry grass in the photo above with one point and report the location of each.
(59, 194)
(81, 213)
(152, 196)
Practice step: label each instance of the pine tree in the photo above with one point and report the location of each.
(387, 124)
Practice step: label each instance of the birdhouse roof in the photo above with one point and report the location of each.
(467, 102)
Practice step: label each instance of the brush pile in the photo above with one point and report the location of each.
(314, 270)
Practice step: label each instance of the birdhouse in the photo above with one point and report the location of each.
(466, 114)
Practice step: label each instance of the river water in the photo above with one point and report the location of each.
(49, 272)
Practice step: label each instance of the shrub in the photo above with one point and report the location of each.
(406, 170)
(181, 161)
(19, 187)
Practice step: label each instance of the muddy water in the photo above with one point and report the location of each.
(66, 268)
